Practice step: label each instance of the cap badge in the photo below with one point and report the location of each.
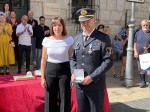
(83, 12)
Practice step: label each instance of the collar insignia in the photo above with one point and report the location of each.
(97, 40)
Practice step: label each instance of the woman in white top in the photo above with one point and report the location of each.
(55, 67)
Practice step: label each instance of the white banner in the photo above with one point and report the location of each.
(145, 61)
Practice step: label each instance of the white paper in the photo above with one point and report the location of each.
(79, 75)
(145, 61)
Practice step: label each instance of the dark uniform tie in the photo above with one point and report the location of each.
(85, 39)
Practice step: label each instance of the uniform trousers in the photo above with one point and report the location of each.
(90, 100)
(58, 92)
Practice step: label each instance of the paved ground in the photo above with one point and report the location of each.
(122, 99)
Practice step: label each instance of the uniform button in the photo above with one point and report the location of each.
(82, 63)
(83, 56)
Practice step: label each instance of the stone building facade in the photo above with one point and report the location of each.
(115, 13)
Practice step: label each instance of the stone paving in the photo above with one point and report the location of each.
(122, 99)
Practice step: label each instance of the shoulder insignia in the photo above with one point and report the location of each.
(109, 50)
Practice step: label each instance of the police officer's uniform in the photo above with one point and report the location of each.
(94, 56)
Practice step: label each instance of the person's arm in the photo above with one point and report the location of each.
(124, 42)
(47, 31)
(136, 54)
(18, 31)
(73, 61)
(70, 52)
(135, 50)
(43, 66)
(107, 61)
(30, 30)
(9, 30)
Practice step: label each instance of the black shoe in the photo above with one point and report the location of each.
(121, 78)
(19, 72)
(2, 71)
(115, 75)
(143, 85)
(7, 70)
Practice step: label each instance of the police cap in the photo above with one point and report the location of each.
(85, 14)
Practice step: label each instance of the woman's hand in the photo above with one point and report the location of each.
(43, 82)
(72, 78)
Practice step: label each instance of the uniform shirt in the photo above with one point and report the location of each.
(57, 50)
(142, 39)
(94, 57)
(25, 38)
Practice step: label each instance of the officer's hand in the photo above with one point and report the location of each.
(87, 80)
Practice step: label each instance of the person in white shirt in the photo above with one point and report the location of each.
(55, 67)
(24, 32)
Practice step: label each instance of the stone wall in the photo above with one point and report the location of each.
(111, 12)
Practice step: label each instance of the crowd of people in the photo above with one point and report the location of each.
(120, 43)
(57, 55)
(20, 38)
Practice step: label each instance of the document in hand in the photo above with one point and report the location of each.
(145, 61)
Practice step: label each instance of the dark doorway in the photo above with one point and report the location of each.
(21, 7)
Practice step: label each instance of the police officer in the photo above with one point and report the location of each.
(91, 52)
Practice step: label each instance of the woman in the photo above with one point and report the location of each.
(117, 48)
(14, 22)
(55, 67)
(101, 28)
(6, 51)
(6, 10)
(124, 53)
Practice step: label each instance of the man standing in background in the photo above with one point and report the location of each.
(41, 31)
(24, 32)
(141, 46)
(34, 24)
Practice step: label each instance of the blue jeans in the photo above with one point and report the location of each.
(38, 58)
(33, 42)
